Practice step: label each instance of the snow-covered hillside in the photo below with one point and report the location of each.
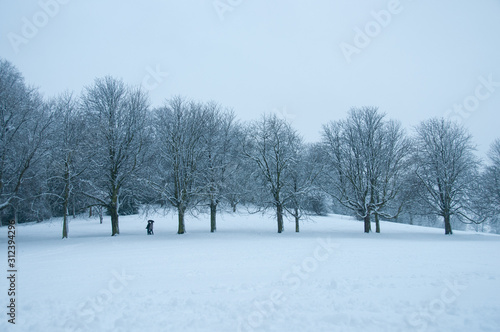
(246, 277)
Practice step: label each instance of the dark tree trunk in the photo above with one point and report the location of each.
(367, 223)
(65, 226)
(213, 216)
(100, 214)
(377, 223)
(297, 219)
(182, 229)
(279, 215)
(115, 230)
(90, 212)
(447, 225)
(66, 202)
(113, 211)
(65, 220)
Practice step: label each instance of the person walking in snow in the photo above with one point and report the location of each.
(149, 227)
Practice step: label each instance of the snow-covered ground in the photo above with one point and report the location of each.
(246, 277)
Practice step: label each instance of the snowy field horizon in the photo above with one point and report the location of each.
(246, 277)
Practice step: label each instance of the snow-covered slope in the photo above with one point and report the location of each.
(246, 277)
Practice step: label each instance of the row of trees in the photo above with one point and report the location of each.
(108, 149)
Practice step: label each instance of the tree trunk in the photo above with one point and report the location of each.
(279, 215)
(213, 216)
(65, 222)
(74, 207)
(113, 211)
(66, 202)
(100, 214)
(377, 223)
(297, 219)
(182, 229)
(367, 223)
(115, 230)
(90, 212)
(447, 225)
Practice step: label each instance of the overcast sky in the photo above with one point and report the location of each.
(308, 61)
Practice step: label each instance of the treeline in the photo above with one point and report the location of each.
(108, 151)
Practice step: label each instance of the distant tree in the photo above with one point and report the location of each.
(302, 174)
(25, 121)
(179, 132)
(240, 189)
(237, 188)
(493, 175)
(414, 208)
(119, 117)
(447, 168)
(366, 158)
(488, 198)
(272, 144)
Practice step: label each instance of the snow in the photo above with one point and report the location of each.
(246, 277)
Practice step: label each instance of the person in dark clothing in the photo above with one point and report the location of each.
(149, 227)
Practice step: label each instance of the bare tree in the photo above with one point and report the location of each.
(366, 157)
(303, 172)
(68, 162)
(220, 158)
(493, 178)
(447, 167)
(118, 114)
(487, 200)
(390, 171)
(179, 130)
(239, 187)
(493, 173)
(24, 125)
(271, 144)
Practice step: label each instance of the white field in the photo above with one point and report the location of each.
(246, 277)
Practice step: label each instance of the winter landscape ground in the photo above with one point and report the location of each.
(246, 277)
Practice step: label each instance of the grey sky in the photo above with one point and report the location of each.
(305, 60)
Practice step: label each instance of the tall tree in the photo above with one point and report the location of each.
(447, 167)
(366, 156)
(179, 129)
(25, 121)
(271, 144)
(390, 172)
(220, 158)
(119, 116)
(68, 161)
